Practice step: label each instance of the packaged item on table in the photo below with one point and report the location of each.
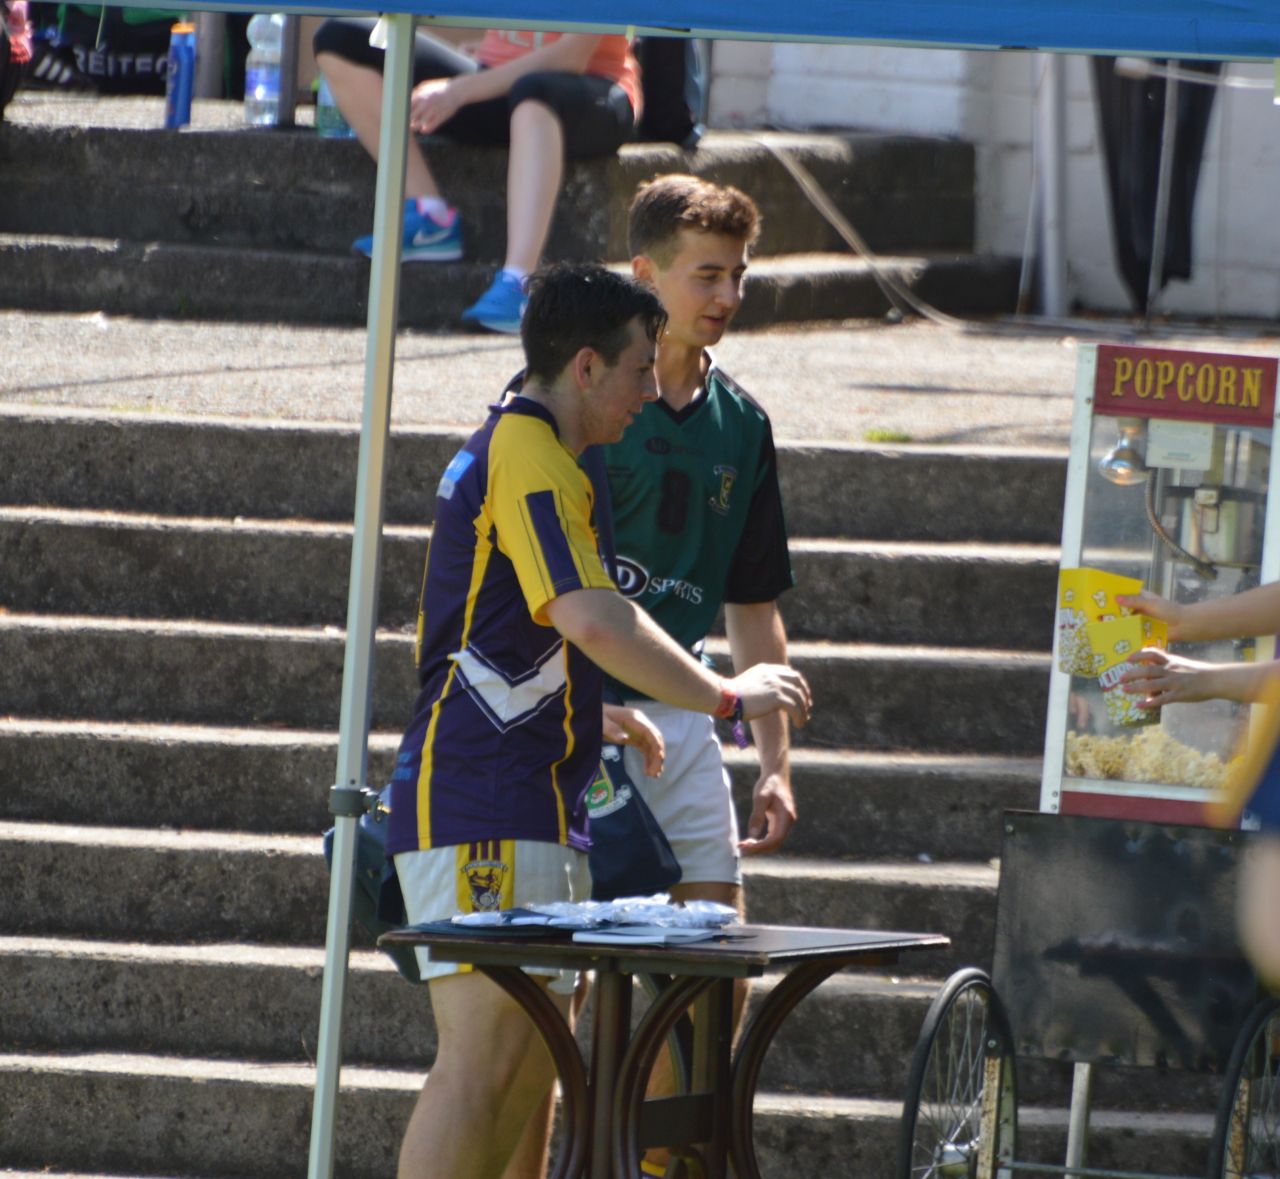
(1086, 595)
(1111, 644)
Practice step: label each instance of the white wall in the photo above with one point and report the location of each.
(986, 99)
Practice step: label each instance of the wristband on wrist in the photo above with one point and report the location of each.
(730, 702)
(730, 709)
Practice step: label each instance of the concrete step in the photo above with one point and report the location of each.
(852, 804)
(213, 887)
(297, 574)
(262, 1003)
(175, 466)
(238, 186)
(254, 284)
(237, 1001)
(206, 1117)
(201, 673)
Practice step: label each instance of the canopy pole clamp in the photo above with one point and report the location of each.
(350, 802)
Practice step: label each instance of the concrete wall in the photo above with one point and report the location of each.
(986, 98)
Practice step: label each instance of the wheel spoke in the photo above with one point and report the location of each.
(1257, 1104)
(949, 1100)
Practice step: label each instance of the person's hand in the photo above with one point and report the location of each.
(773, 811)
(1154, 606)
(767, 687)
(1161, 678)
(433, 102)
(630, 726)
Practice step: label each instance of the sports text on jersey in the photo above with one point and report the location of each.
(635, 581)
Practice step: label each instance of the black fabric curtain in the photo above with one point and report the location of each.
(1131, 120)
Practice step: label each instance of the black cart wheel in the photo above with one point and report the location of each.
(959, 1116)
(1246, 1132)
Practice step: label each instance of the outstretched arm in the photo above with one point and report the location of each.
(1238, 616)
(757, 635)
(1161, 678)
(625, 642)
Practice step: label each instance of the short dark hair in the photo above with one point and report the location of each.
(665, 205)
(573, 306)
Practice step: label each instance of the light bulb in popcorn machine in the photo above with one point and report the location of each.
(1124, 464)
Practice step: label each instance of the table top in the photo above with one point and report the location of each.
(737, 951)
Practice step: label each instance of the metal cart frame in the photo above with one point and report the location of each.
(1114, 944)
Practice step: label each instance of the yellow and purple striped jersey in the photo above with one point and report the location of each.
(505, 737)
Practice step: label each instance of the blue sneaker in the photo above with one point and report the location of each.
(424, 239)
(501, 307)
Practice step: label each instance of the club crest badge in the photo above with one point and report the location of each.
(719, 503)
(602, 798)
(484, 880)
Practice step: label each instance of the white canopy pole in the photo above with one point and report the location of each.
(362, 601)
(1051, 167)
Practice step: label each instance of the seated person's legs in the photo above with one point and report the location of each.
(353, 69)
(554, 116)
(544, 118)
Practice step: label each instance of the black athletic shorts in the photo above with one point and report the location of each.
(594, 112)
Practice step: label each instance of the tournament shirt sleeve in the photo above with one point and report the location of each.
(540, 503)
(761, 569)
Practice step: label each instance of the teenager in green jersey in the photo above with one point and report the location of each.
(698, 524)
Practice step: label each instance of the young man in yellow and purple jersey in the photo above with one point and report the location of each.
(519, 623)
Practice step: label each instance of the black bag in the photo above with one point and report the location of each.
(630, 856)
(673, 76)
(377, 901)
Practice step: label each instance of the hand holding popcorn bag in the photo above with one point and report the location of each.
(1111, 643)
(1087, 595)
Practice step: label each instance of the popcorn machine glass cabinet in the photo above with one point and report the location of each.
(1168, 485)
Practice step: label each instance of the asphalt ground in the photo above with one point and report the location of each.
(992, 383)
(1000, 383)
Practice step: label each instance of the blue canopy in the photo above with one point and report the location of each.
(1215, 29)
(1155, 28)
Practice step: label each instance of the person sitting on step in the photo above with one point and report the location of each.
(547, 96)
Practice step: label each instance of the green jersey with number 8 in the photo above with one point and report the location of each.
(697, 510)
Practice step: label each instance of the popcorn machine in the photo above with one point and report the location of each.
(1170, 485)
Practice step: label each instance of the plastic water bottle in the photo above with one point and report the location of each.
(262, 70)
(329, 120)
(180, 79)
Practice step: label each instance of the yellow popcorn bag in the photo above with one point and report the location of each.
(1086, 595)
(1111, 644)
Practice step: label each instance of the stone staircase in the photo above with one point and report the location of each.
(172, 603)
(222, 222)
(171, 613)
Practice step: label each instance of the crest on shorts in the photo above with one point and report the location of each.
(484, 879)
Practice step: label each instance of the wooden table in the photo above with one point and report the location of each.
(607, 1122)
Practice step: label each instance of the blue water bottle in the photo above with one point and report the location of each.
(180, 79)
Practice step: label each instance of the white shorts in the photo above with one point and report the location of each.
(693, 800)
(485, 877)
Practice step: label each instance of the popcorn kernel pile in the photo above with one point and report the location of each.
(1148, 756)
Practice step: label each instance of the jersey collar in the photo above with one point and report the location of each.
(513, 401)
(680, 416)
